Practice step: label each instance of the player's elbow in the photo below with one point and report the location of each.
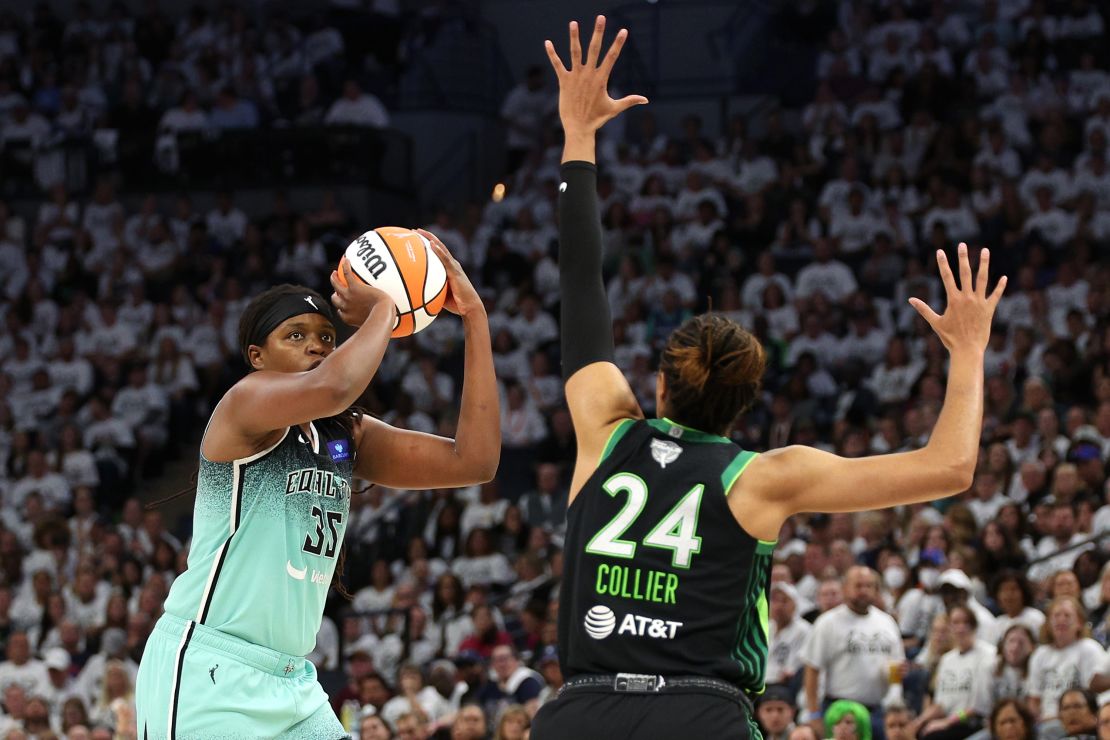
(484, 469)
(957, 477)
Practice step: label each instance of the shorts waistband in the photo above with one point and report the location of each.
(263, 658)
(640, 683)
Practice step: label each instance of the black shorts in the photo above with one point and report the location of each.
(605, 715)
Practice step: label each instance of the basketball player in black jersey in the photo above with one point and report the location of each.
(670, 529)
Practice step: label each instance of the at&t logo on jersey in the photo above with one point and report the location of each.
(600, 621)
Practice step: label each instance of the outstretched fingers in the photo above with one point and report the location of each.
(946, 275)
(614, 52)
(965, 269)
(996, 294)
(553, 57)
(575, 46)
(630, 100)
(983, 275)
(594, 52)
(926, 313)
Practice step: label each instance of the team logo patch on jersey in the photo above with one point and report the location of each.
(339, 449)
(664, 452)
(600, 621)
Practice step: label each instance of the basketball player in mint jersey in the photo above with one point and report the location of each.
(273, 494)
(663, 615)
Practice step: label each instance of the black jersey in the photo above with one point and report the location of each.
(658, 576)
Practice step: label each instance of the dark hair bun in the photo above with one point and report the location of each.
(713, 369)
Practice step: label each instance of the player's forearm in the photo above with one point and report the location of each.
(579, 146)
(586, 326)
(954, 443)
(349, 369)
(478, 437)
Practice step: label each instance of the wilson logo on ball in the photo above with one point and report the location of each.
(371, 260)
(401, 263)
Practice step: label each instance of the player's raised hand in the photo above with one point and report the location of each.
(966, 323)
(584, 102)
(462, 298)
(354, 300)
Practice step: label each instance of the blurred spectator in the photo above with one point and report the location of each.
(356, 108)
(514, 683)
(524, 112)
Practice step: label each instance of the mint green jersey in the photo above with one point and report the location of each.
(266, 533)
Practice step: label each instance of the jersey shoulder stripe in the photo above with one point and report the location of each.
(736, 468)
(615, 437)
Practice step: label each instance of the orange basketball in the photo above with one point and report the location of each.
(401, 263)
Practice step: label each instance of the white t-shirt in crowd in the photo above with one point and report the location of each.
(1030, 617)
(784, 658)
(832, 278)
(31, 675)
(484, 570)
(916, 610)
(989, 689)
(984, 511)
(854, 652)
(366, 110)
(957, 676)
(893, 384)
(1053, 670)
(526, 110)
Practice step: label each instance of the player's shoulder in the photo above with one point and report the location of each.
(769, 471)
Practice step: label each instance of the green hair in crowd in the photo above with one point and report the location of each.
(841, 708)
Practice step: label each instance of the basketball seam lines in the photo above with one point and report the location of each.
(400, 274)
(424, 286)
(434, 299)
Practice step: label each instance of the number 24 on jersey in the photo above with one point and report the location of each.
(676, 531)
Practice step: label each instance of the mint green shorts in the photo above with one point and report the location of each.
(197, 682)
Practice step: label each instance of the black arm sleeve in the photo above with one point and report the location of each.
(586, 327)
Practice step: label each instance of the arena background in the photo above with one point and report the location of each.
(162, 163)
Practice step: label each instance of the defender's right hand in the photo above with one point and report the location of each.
(966, 322)
(355, 301)
(584, 102)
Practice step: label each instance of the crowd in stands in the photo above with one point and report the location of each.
(145, 85)
(932, 123)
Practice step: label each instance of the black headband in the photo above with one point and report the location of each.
(287, 307)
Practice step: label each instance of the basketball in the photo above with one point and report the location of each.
(401, 263)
